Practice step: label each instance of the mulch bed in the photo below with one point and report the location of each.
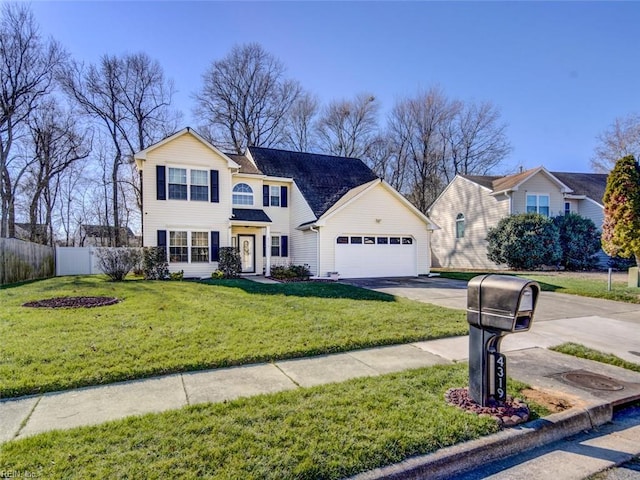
(72, 302)
(508, 413)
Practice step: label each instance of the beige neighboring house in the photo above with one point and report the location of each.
(277, 208)
(103, 235)
(471, 205)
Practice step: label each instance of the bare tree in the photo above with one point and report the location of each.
(245, 99)
(477, 141)
(27, 64)
(418, 127)
(434, 138)
(621, 139)
(299, 134)
(130, 99)
(56, 142)
(349, 128)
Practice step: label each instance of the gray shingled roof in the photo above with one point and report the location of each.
(322, 179)
(592, 185)
(249, 215)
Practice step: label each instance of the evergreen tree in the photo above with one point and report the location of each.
(621, 228)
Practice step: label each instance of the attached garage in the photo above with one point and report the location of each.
(358, 256)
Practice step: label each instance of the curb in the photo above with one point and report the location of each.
(457, 459)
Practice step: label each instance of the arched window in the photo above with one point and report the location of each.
(242, 194)
(460, 226)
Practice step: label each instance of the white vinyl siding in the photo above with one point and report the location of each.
(177, 215)
(539, 184)
(303, 244)
(481, 212)
(376, 213)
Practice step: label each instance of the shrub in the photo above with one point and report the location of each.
(217, 275)
(154, 264)
(116, 263)
(177, 276)
(579, 240)
(525, 241)
(229, 263)
(292, 272)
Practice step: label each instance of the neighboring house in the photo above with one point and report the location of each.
(278, 208)
(23, 232)
(103, 235)
(471, 205)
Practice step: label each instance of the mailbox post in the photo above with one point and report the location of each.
(496, 305)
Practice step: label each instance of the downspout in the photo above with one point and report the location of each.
(317, 232)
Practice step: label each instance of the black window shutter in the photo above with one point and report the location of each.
(161, 189)
(284, 246)
(215, 246)
(283, 196)
(264, 245)
(265, 195)
(162, 240)
(215, 186)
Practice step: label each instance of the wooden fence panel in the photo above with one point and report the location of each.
(20, 261)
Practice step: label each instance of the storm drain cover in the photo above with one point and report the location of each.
(594, 381)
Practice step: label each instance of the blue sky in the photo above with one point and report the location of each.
(560, 72)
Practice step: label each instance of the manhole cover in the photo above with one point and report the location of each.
(594, 381)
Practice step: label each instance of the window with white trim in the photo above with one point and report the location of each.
(460, 225)
(274, 196)
(178, 247)
(200, 185)
(538, 204)
(275, 246)
(567, 208)
(177, 183)
(199, 247)
(242, 194)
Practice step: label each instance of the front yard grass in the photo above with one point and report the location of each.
(590, 354)
(566, 283)
(330, 431)
(168, 327)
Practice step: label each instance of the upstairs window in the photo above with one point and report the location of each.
(178, 183)
(274, 197)
(242, 194)
(538, 204)
(460, 225)
(200, 185)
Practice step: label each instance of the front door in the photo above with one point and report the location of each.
(247, 244)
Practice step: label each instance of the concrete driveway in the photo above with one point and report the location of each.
(605, 325)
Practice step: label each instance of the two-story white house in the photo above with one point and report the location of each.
(277, 207)
(471, 205)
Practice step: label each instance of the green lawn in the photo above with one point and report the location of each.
(590, 354)
(567, 283)
(166, 327)
(330, 431)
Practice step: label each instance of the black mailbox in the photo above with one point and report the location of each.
(501, 302)
(496, 305)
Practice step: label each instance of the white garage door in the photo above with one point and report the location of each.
(376, 256)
